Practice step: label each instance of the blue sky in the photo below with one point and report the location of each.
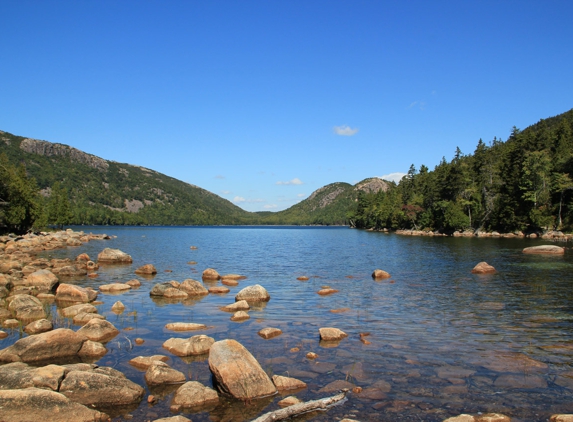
(263, 102)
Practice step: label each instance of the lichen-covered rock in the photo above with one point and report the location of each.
(100, 389)
(237, 372)
(196, 345)
(44, 405)
(255, 293)
(26, 307)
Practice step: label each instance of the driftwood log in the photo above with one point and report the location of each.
(300, 408)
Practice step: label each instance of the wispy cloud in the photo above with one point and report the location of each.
(418, 104)
(240, 199)
(393, 177)
(270, 206)
(345, 130)
(219, 176)
(295, 181)
(225, 192)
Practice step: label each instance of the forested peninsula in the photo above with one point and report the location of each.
(522, 184)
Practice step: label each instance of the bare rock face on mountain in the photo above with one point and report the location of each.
(372, 185)
(237, 372)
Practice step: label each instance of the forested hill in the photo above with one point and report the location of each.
(106, 192)
(522, 184)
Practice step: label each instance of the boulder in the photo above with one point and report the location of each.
(193, 393)
(380, 274)
(545, 249)
(160, 373)
(59, 343)
(39, 326)
(26, 307)
(561, 418)
(241, 305)
(144, 362)
(483, 268)
(184, 326)
(113, 256)
(196, 345)
(177, 418)
(210, 274)
(174, 293)
(71, 293)
(100, 389)
(289, 401)
(72, 271)
(18, 375)
(99, 330)
(237, 372)
(240, 316)
(159, 289)
(92, 349)
(118, 307)
(331, 334)
(255, 293)
(269, 332)
(84, 317)
(193, 288)
(219, 290)
(44, 405)
(287, 383)
(133, 283)
(73, 310)
(327, 291)
(83, 257)
(41, 278)
(147, 269)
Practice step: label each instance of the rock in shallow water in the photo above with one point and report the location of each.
(194, 393)
(196, 345)
(237, 372)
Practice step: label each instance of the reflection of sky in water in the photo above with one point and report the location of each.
(433, 313)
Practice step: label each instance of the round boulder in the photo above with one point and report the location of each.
(196, 345)
(113, 256)
(256, 293)
(211, 274)
(380, 274)
(483, 268)
(147, 269)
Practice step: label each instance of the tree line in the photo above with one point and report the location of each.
(522, 184)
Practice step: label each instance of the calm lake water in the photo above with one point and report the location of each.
(442, 340)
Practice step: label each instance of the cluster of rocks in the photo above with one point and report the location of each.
(549, 235)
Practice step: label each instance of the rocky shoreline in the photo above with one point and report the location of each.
(51, 373)
(553, 235)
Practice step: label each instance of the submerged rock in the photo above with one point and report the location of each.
(147, 269)
(144, 362)
(287, 383)
(269, 332)
(241, 305)
(237, 372)
(184, 326)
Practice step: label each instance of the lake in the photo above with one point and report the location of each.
(442, 341)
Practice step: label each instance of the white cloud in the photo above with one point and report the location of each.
(225, 192)
(295, 181)
(345, 130)
(270, 206)
(239, 199)
(394, 177)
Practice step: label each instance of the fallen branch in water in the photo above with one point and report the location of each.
(297, 409)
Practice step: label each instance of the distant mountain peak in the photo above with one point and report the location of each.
(372, 185)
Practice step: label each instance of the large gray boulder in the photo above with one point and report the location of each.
(237, 372)
(113, 256)
(37, 404)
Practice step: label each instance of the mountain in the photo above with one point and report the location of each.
(328, 205)
(107, 192)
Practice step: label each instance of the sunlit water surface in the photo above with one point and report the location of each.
(442, 340)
